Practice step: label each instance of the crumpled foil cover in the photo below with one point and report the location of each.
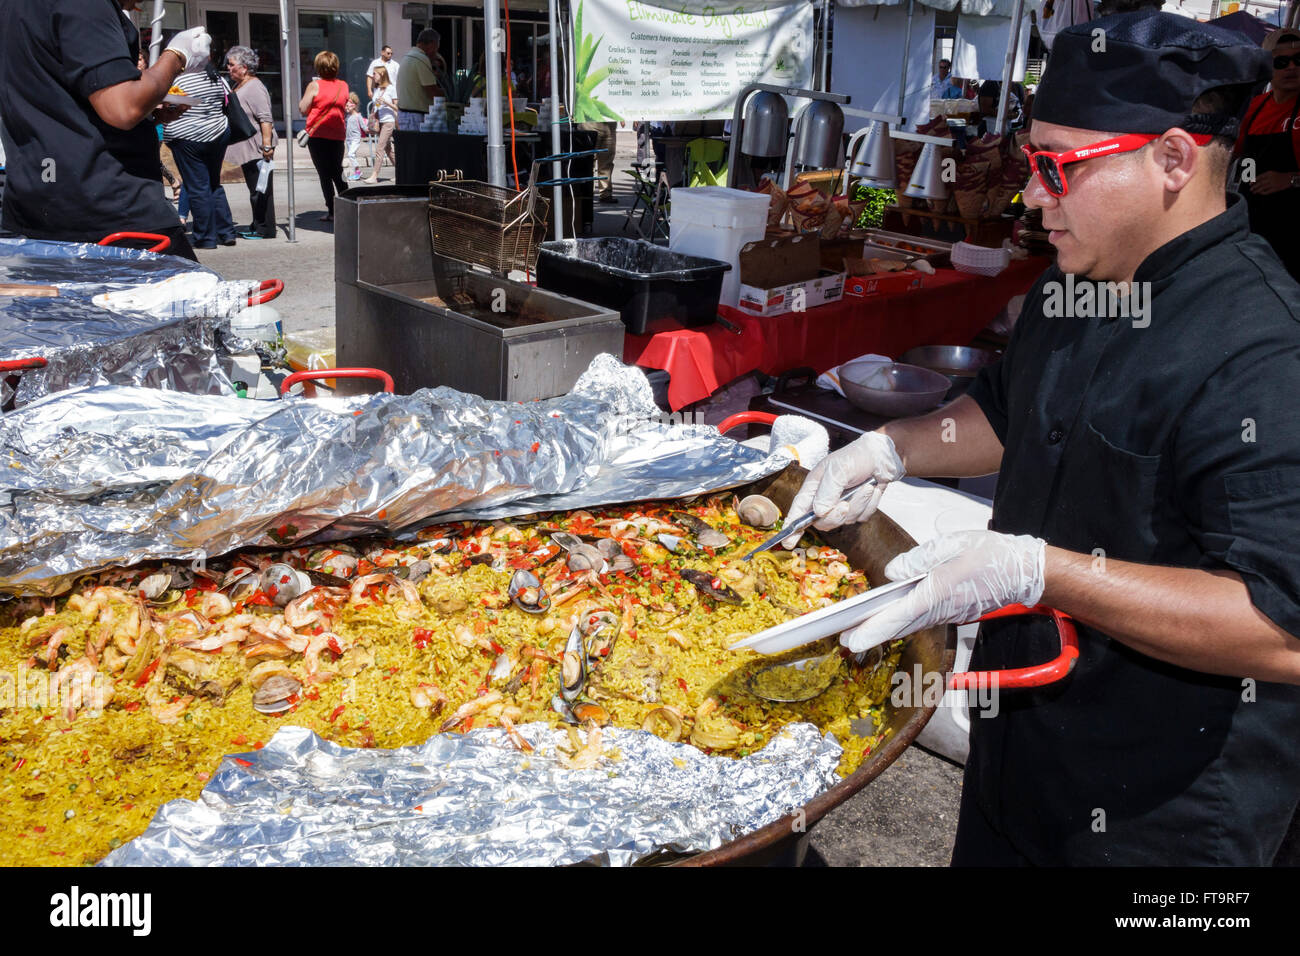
(473, 799)
(84, 344)
(105, 476)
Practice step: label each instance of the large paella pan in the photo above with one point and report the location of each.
(616, 616)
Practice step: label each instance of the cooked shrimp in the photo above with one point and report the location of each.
(429, 697)
(275, 629)
(321, 642)
(588, 756)
(215, 604)
(409, 592)
(163, 711)
(78, 685)
(51, 653)
(301, 611)
(214, 641)
(470, 709)
(515, 736)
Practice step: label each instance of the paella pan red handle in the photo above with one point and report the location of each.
(161, 243)
(745, 418)
(1036, 675)
(18, 365)
(385, 379)
(265, 292)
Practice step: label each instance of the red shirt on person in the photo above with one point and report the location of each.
(1274, 117)
(331, 97)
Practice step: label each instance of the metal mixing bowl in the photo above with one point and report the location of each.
(894, 390)
(959, 363)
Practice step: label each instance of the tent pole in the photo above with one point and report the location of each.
(907, 52)
(286, 95)
(1009, 66)
(495, 43)
(826, 45)
(557, 192)
(155, 31)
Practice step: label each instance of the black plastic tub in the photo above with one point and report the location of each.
(643, 281)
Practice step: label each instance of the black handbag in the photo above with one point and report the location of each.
(241, 126)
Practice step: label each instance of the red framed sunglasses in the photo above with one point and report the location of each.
(1050, 167)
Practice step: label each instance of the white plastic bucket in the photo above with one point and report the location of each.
(716, 222)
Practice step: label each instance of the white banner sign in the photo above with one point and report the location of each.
(641, 61)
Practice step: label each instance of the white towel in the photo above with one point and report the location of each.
(831, 377)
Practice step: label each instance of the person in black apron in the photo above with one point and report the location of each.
(1148, 461)
(1274, 201)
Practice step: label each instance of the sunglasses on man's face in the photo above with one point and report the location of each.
(1282, 62)
(1050, 167)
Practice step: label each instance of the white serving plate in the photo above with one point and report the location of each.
(826, 621)
(180, 99)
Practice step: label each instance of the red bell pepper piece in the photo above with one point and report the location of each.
(147, 672)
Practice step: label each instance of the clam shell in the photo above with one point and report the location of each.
(758, 511)
(272, 696)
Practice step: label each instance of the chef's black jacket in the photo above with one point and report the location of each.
(70, 175)
(1177, 444)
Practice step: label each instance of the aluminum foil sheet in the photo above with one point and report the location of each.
(474, 799)
(107, 476)
(124, 344)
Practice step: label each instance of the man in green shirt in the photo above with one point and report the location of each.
(417, 84)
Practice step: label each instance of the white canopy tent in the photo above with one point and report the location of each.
(993, 28)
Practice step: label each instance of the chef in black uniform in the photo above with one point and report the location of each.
(1149, 482)
(79, 141)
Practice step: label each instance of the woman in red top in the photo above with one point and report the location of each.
(1270, 143)
(322, 103)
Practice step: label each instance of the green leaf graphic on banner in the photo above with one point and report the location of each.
(588, 109)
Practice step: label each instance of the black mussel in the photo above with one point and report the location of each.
(527, 593)
(573, 666)
(710, 586)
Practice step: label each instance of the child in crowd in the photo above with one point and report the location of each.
(352, 137)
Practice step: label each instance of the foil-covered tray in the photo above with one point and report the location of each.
(94, 332)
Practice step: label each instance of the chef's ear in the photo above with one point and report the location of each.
(1179, 158)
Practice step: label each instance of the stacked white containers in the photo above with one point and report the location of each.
(716, 222)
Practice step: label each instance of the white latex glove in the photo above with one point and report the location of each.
(969, 574)
(194, 46)
(871, 456)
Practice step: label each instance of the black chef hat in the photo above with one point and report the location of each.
(1144, 71)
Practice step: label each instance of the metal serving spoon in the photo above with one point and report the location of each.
(799, 524)
(811, 665)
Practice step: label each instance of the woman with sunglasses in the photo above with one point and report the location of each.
(1270, 152)
(1140, 490)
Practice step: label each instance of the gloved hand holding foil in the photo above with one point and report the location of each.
(968, 574)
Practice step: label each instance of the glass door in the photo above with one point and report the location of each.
(255, 29)
(350, 34)
(224, 26)
(264, 40)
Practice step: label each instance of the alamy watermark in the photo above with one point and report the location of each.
(1089, 299)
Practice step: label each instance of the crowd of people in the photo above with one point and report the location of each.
(89, 149)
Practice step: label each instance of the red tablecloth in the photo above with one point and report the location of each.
(950, 310)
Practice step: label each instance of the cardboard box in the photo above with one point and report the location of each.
(886, 283)
(778, 275)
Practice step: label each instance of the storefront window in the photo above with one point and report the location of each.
(174, 22)
(350, 35)
(264, 40)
